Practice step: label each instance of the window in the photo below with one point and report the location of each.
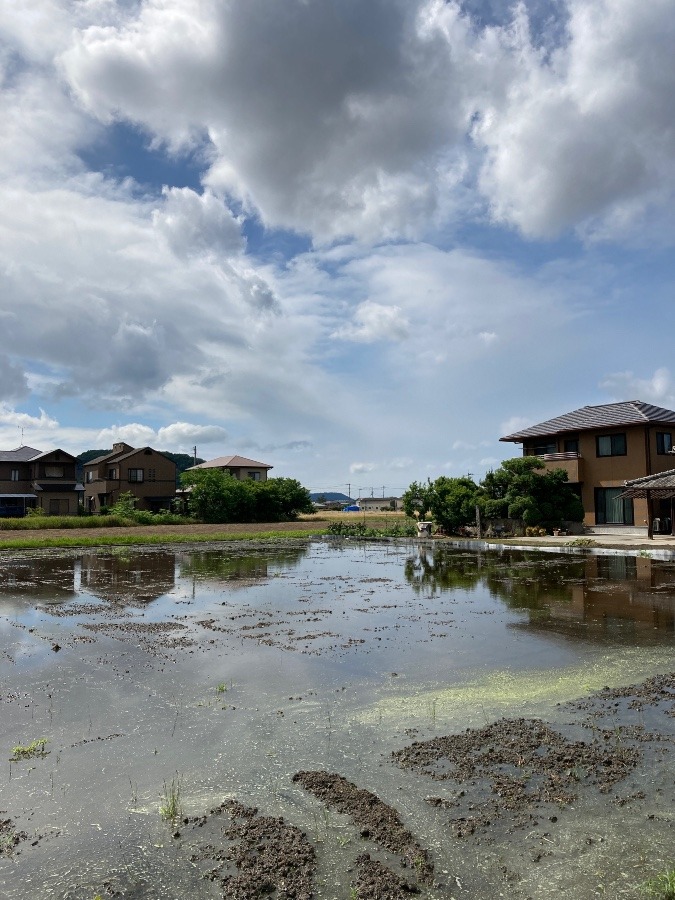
(254, 476)
(53, 471)
(112, 473)
(15, 475)
(611, 445)
(151, 475)
(136, 475)
(90, 477)
(611, 509)
(571, 445)
(664, 442)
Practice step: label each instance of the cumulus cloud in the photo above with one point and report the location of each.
(658, 389)
(10, 416)
(195, 224)
(359, 468)
(179, 436)
(585, 132)
(184, 433)
(375, 322)
(358, 122)
(348, 127)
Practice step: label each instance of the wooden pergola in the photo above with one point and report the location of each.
(650, 488)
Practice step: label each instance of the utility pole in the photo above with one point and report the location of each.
(194, 454)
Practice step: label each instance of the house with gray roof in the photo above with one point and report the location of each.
(602, 447)
(239, 467)
(32, 479)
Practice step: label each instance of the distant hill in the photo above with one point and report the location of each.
(183, 460)
(329, 497)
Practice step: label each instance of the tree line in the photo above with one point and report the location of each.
(520, 488)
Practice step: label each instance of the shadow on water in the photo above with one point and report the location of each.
(229, 671)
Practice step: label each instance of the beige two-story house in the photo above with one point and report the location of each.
(146, 473)
(238, 466)
(602, 447)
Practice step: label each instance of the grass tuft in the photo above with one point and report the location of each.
(661, 886)
(35, 748)
(171, 806)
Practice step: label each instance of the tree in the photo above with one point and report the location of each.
(417, 499)
(280, 500)
(453, 502)
(216, 496)
(521, 488)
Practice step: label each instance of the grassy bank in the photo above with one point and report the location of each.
(120, 539)
(108, 531)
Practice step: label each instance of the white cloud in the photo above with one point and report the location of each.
(375, 322)
(585, 133)
(197, 224)
(182, 434)
(178, 437)
(135, 434)
(658, 389)
(514, 424)
(360, 468)
(9, 416)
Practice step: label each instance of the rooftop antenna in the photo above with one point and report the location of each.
(20, 427)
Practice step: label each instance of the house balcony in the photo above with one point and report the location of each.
(571, 462)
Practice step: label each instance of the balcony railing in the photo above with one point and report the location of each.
(553, 457)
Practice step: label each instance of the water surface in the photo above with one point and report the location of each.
(232, 668)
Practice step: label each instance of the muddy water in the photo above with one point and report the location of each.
(226, 671)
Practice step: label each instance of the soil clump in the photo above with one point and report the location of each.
(377, 821)
(270, 856)
(516, 765)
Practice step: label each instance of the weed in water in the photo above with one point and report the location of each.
(661, 885)
(171, 806)
(8, 841)
(35, 748)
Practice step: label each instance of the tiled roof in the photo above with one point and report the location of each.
(50, 452)
(21, 454)
(660, 480)
(661, 485)
(136, 450)
(100, 459)
(609, 415)
(234, 462)
(118, 455)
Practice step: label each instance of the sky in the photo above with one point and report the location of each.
(359, 242)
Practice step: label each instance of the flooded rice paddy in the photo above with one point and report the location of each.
(335, 720)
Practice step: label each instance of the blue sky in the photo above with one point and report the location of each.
(359, 242)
